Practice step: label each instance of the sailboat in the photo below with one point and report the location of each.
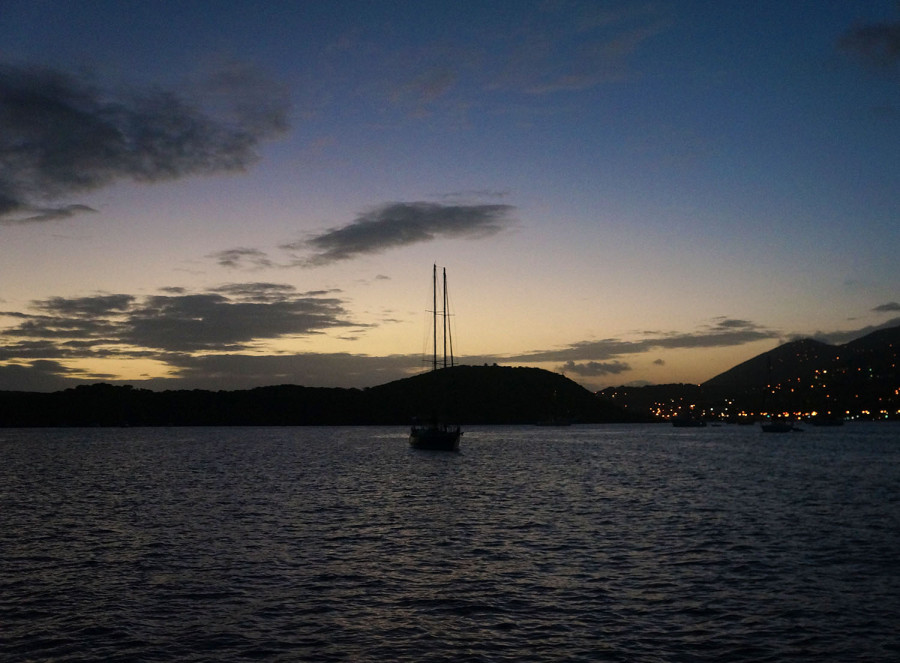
(438, 435)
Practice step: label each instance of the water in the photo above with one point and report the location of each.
(607, 543)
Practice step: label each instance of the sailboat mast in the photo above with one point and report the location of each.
(444, 314)
(434, 316)
(448, 337)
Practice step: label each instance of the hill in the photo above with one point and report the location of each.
(860, 379)
(471, 394)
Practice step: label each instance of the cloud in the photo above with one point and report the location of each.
(467, 194)
(724, 332)
(579, 48)
(42, 375)
(61, 135)
(85, 307)
(401, 224)
(841, 337)
(887, 308)
(595, 368)
(215, 339)
(242, 258)
(428, 86)
(40, 215)
(875, 45)
(229, 318)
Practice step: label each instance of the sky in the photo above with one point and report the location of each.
(224, 195)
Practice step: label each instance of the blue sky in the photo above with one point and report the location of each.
(232, 194)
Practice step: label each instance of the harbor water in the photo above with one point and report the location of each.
(581, 543)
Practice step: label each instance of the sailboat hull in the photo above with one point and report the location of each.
(435, 438)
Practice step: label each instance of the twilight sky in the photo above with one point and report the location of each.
(231, 194)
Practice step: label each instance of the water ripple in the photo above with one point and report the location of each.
(615, 543)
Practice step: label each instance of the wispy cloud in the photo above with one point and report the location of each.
(844, 336)
(876, 45)
(242, 258)
(578, 47)
(400, 224)
(724, 332)
(595, 368)
(61, 135)
(887, 308)
(40, 215)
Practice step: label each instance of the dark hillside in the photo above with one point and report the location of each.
(859, 379)
(468, 394)
(491, 394)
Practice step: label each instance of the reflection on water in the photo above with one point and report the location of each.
(540, 544)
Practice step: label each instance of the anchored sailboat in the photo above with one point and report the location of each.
(437, 434)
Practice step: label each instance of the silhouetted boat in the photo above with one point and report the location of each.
(779, 426)
(687, 420)
(436, 434)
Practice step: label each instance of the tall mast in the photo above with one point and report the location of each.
(434, 316)
(444, 315)
(448, 336)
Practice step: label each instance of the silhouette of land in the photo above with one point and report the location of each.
(470, 395)
(804, 378)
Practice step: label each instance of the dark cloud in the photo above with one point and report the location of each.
(400, 224)
(887, 308)
(189, 323)
(81, 307)
(594, 368)
(261, 292)
(61, 135)
(39, 375)
(231, 317)
(39, 215)
(242, 258)
(876, 45)
(841, 337)
(724, 333)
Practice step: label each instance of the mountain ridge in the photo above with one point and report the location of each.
(475, 395)
(805, 377)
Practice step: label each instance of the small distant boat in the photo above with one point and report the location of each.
(438, 435)
(435, 436)
(779, 426)
(687, 420)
